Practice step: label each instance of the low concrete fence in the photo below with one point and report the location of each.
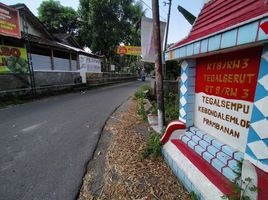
(26, 93)
(94, 79)
(56, 78)
(168, 86)
(14, 86)
(14, 81)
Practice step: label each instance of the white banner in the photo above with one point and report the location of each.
(90, 64)
(112, 67)
(148, 53)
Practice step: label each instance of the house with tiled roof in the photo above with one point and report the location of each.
(55, 60)
(223, 116)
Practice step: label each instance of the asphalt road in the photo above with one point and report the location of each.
(45, 145)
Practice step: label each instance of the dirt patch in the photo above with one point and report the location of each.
(117, 170)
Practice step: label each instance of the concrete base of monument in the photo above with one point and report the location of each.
(208, 167)
(204, 165)
(192, 178)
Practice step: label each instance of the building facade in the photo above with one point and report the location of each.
(48, 60)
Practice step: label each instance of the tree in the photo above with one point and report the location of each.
(105, 24)
(58, 18)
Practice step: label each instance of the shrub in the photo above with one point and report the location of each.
(171, 103)
(141, 109)
(154, 146)
(141, 94)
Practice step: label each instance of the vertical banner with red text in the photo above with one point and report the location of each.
(225, 89)
(9, 21)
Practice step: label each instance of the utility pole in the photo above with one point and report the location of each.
(29, 54)
(158, 64)
(166, 37)
(169, 9)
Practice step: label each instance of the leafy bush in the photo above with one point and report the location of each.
(153, 109)
(171, 106)
(141, 94)
(141, 91)
(193, 196)
(141, 110)
(240, 187)
(154, 146)
(171, 103)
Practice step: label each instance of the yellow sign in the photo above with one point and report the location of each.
(13, 60)
(129, 50)
(171, 55)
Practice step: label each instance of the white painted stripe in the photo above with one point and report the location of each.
(33, 127)
(206, 188)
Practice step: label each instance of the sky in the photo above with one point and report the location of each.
(178, 28)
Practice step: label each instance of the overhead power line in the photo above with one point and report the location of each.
(163, 10)
(151, 9)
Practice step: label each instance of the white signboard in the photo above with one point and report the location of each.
(112, 67)
(90, 64)
(225, 119)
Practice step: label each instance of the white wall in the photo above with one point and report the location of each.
(61, 64)
(74, 65)
(41, 62)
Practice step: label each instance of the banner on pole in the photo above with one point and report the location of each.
(148, 53)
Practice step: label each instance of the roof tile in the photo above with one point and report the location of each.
(218, 15)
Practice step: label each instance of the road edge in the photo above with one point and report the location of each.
(97, 144)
